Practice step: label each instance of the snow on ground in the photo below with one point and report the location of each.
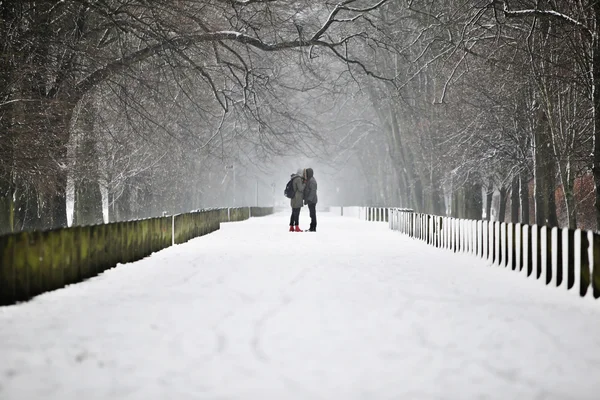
(354, 311)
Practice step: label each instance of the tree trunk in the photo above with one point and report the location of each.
(144, 196)
(403, 160)
(6, 131)
(570, 200)
(474, 201)
(596, 109)
(418, 194)
(402, 189)
(57, 115)
(502, 208)
(489, 197)
(27, 208)
(524, 196)
(7, 210)
(112, 206)
(458, 203)
(59, 197)
(544, 173)
(123, 204)
(437, 195)
(454, 204)
(514, 200)
(87, 209)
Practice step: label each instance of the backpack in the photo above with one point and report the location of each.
(289, 191)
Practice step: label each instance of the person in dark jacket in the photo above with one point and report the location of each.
(296, 201)
(310, 198)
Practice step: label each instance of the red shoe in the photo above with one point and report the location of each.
(291, 228)
(298, 229)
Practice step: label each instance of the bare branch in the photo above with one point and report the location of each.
(546, 13)
(342, 7)
(186, 41)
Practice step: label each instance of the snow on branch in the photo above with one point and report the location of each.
(546, 13)
(366, 9)
(343, 6)
(182, 42)
(248, 2)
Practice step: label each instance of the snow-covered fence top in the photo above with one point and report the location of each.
(367, 213)
(35, 262)
(563, 258)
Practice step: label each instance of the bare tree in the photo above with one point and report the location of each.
(89, 44)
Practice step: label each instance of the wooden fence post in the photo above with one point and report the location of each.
(83, 241)
(474, 240)
(71, 269)
(567, 258)
(555, 255)
(536, 263)
(491, 242)
(466, 226)
(510, 245)
(7, 270)
(577, 243)
(596, 266)
(528, 265)
(93, 255)
(455, 237)
(468, 236)
(463, 233)
(497, 240)
(430, 229)
(543, 254)
(485, 231)
(47, 260)
(443, 232)
(502, 257)
(32, 262)
(22, 291)
(518, 253)
(460, 235)
(418, 226)
(586, 260)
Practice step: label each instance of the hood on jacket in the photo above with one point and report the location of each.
(300, 172)
(309, 173)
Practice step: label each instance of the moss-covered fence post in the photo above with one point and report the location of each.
(93, 253)
(83, 242)
(21, 247)
(111, 251)
(7, 270)
(52, 273)
(71, 269)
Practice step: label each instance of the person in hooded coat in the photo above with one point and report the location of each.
(310, 198)
(297, 201)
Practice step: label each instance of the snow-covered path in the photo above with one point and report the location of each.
(355, 311)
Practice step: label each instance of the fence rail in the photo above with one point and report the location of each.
(563, 258)
(35, 262)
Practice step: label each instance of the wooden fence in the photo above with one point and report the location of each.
(377, 214)
(564, 258)
(35, 262)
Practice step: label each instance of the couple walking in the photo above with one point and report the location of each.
(305, 192)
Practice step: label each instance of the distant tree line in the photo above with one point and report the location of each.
(476, 109)
(124, 104)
